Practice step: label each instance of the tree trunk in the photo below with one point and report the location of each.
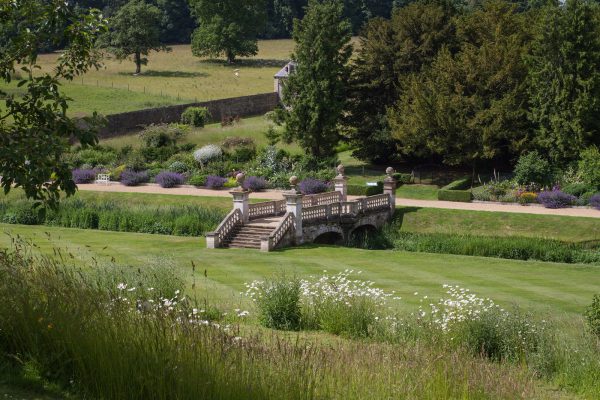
(138, 63)
(230, 57)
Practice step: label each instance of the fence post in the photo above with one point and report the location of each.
(293, 204)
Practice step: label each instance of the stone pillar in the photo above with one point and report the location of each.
(240, 198)
(293, 204)
(341, 183)
(212, 241)
(389, 188)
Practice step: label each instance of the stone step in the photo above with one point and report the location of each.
(244, 240)
(242, 246)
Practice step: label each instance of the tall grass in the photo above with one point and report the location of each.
(184, 220)
(79, 331)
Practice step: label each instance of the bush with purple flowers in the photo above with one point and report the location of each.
(84, 175)
(215, 182)
(168, 179)
(313, 186)
(133, 178)
(556, 199)
(595, 201)
(255, 183)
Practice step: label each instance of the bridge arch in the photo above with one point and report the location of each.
(331, 237)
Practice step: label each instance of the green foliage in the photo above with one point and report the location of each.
(314, 92)
(135, 31)
(195, 116)
(592, 314)
(589, 166)
(364, 190)
(197, 180)
(455, 195)
(564, 80)
(459, 184)
(278, 302)
(34, 127)
(227, 27)
(94, 157)
(162, 135)
(532, 168)
(403, 178)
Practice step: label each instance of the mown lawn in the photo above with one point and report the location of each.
(559, 290)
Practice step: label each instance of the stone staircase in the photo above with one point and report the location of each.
(248, 236)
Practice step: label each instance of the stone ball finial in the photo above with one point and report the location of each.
(340, 170)
(293, 180)
(389, 171)
(240, 178)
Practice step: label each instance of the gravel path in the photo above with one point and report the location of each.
(276, 195)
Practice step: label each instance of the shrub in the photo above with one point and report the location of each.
(208, 153)
(133, 178)
(84, 175)
(278, 302)
(585, 199)
(238, 141)
(532, 168)
(197, 180)
(403, 178)
(592, 315)
(455, 195)
(215, 182)
(169, 179)
(115, 173)
(595, 201)
(195, 116)
(459, 184)
(162, 135)
(313, 186)
(527, 198)
(364, 190)
(556, 199)
(255, 183)
(577, 189)
(179, 167)
(589, 166)
(95, 156)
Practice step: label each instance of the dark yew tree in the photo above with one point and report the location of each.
(34, 127)
(315, 93)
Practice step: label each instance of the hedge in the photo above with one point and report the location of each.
(364, 190)
(459, 184)
(455, 195)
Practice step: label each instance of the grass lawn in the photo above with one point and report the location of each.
(560, 289)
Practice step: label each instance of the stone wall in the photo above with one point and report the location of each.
(245, 106)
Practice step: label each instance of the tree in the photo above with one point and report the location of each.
(315, 93)
(34, 127)
(229, 27)
(135, 31)
(564, 79)
(471, 105)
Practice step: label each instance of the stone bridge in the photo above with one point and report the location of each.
(296, 219)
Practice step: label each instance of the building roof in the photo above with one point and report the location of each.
(285, 71)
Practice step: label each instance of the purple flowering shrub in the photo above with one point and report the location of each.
(215, 182)
(133, 178)
(168, 179)
(595, 201)
(255, 183)
(556, 199)
(84, 175)
(313, 186)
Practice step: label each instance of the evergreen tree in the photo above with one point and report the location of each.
(229, 27)
(135, 31)
(315, 93)
(564, 79)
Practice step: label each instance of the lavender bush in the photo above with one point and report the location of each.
(255, 183)
(595, 201)
(556, 199)
(133, 178)
(215, 182)
(313, 186)
(84, 175)
(169, 179)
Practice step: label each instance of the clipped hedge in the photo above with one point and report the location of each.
(459, 184)
(464, 196)
(364, 190)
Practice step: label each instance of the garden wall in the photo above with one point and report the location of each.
(245, 106)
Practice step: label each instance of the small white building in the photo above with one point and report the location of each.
(281, 77)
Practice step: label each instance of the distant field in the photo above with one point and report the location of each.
(178, 75)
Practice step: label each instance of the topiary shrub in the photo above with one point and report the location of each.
(84, 175)
(313, 186)
(179, 167)
(455, 195)
(533, 168)
(459, 184)
(255, 183)
(595, 201)
(215, 182)
(195, 116)
(556, 199)
(133, 178)
(168, 179)
(207, 153)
